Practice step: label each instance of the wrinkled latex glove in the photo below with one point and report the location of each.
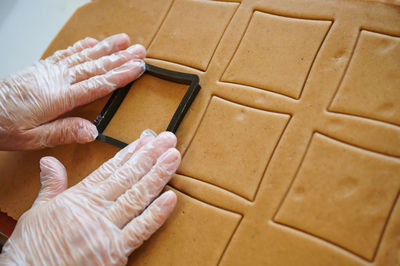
(31, 100)
(102, 219)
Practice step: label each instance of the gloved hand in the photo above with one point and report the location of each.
(102, 219)
(31, 100)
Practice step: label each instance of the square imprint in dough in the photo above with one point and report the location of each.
(277, 53)
(232, 146)
(191, 32)
(150, 103)
(196, 233)
(342, 194)
(371, 85)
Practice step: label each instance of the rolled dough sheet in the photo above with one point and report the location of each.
(291, 150)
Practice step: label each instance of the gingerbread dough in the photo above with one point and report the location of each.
(291, 150)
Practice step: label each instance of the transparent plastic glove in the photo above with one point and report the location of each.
(102, 219)
(31, 100)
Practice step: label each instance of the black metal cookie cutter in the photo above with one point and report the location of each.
(111, 107)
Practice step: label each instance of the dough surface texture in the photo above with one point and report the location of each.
(291, 150)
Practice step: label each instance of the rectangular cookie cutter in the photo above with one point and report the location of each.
(111, 107)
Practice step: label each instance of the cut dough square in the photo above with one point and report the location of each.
(291, 149)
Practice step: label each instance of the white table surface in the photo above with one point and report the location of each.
(27, 27)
